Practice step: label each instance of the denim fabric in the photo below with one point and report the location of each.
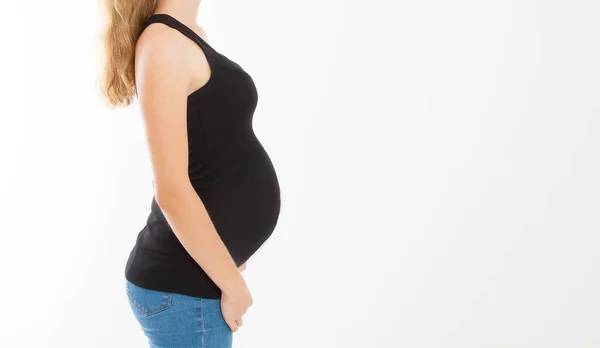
(171, 320)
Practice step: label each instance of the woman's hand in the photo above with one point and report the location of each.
(234, 305)
(242, 267)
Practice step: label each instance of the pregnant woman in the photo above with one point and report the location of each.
(216, 194)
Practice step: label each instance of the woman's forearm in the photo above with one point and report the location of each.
(189, 220)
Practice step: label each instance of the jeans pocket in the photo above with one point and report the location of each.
(147, 302)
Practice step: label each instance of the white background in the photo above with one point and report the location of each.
(439, 166)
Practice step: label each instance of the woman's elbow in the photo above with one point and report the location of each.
(170, 196)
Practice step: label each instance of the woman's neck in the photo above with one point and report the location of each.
(186, 11)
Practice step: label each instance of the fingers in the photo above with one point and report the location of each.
(233, 326)
(242, 267)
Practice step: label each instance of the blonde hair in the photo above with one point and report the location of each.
(124, 23)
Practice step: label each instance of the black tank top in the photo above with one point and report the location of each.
(229, 170)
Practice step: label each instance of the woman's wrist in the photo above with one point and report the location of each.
(235, 285)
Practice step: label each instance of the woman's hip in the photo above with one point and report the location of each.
(171, 320)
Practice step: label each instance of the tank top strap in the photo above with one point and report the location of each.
(182, 28)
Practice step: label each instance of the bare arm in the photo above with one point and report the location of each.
(163, 79)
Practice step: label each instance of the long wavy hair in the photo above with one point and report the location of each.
(123, 26)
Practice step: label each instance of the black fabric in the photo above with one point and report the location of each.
(229, 170)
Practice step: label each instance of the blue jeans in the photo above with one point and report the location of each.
(171, 320)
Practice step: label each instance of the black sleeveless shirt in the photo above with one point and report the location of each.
(229, 170)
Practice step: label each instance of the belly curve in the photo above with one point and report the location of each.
(245, 203)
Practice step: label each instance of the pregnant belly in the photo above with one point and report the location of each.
(245, 205)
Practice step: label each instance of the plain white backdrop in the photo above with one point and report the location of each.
(439, 165)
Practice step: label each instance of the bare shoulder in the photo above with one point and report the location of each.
(161, 50)
(160, 39)
(161, 63)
